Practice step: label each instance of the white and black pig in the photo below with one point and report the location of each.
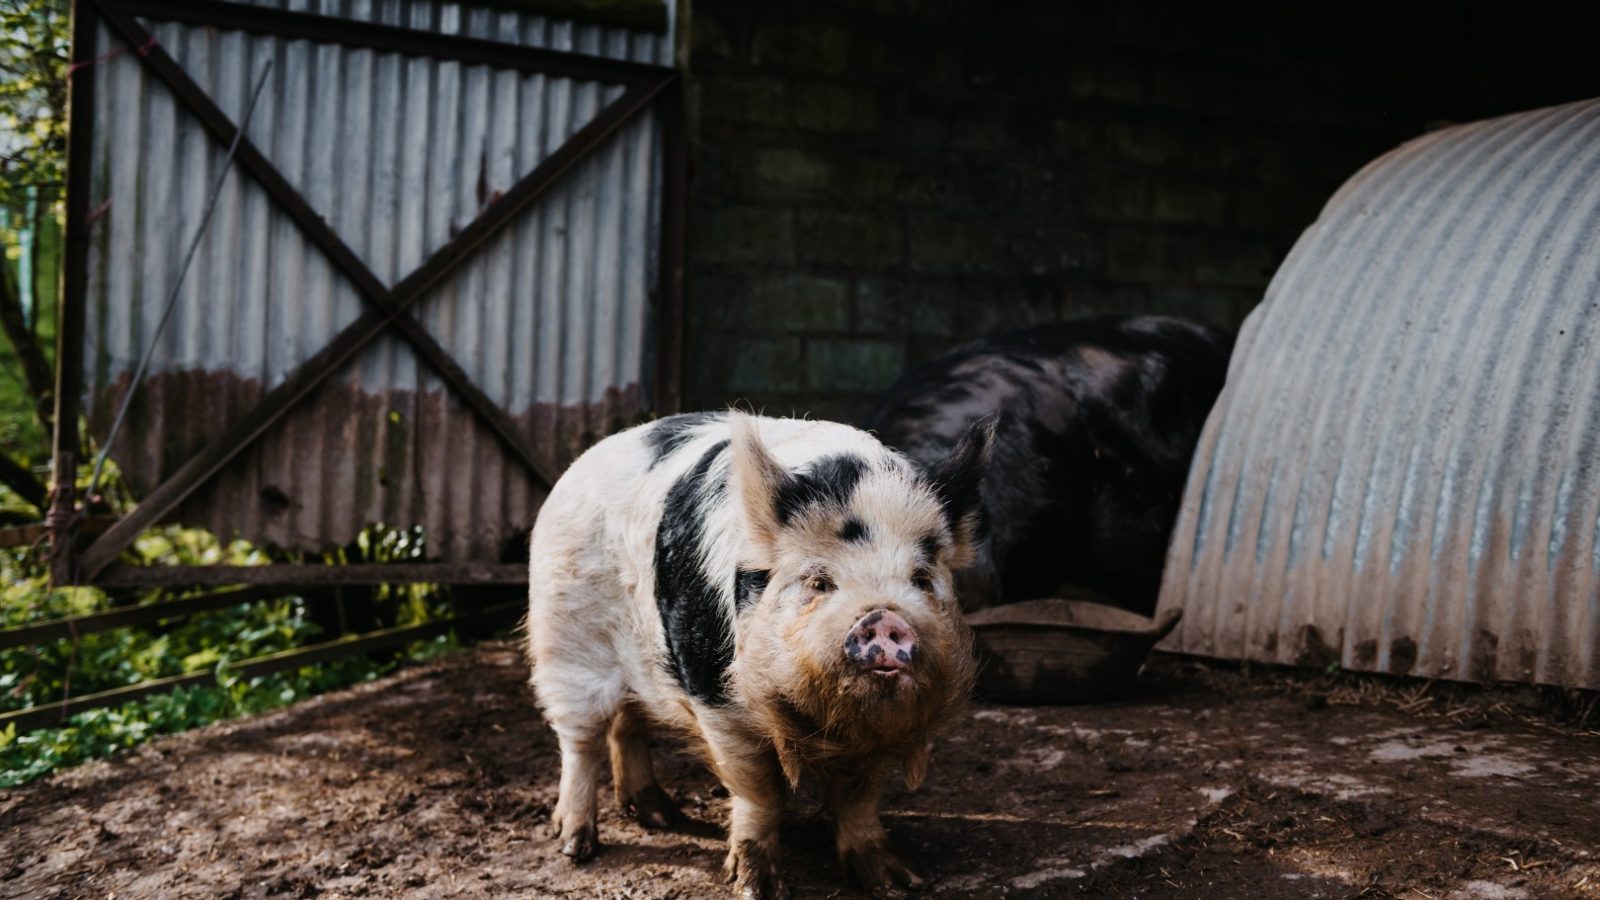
(778, 589)
(1100, 417)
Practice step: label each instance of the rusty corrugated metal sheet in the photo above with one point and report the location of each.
(397, 153)
(1403, 474)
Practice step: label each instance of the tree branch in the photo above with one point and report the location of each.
(17, 477)
(36, 371)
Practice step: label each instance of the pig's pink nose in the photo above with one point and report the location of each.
(881, 641)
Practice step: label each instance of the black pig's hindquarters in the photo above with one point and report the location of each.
(780, 590)
(1100, 417)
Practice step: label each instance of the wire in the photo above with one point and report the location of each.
(166, 314)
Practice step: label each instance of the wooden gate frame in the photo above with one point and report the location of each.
(79, 562)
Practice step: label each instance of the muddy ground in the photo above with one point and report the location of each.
(437, 782)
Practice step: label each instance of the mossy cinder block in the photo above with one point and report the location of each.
(830, 237)
(806, 48)
(1148, 255)
(797, 303)
(744, 234)
(744, 100)
(761, 365)
(855, 365)
(834, 108)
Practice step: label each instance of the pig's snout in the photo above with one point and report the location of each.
(881, 642)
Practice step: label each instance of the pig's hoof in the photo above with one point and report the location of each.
(753, 869)
(652, 808)
(878, 872)
(581, 843)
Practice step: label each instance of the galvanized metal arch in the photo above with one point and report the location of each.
(1403, 473)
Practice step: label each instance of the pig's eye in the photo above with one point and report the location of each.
(922, 580)
(820, 584)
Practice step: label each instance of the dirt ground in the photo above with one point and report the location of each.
(437, 782)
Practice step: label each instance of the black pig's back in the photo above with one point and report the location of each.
(1099, 420)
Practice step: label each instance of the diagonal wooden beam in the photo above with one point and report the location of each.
(389, 307)
(391, 39)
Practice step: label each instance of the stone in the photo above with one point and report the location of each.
(829, 237)
(798, 303)
(749, 234)
(834, 108)
(855, 365)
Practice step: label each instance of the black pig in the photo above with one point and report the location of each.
(1099, 417)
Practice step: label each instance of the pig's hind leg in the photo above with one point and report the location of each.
(581, 689)
(633, 776)
(574, 821)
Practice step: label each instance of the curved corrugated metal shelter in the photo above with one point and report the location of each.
(1403, 474)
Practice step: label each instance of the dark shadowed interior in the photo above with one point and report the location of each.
(876, 182)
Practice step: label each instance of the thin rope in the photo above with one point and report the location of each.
(166, 314)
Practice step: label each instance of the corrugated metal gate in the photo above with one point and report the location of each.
(449, 257)
(1403, 473)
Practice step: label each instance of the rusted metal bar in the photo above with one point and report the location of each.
(671, 259)
(390, 305)
(27, 535)
(66, 442)
(649, 15)
(351, 33)
(54, 713)
(311, 575)
(17, 477)
(57, 629)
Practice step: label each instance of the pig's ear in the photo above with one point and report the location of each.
(757, 478)
(956, 480)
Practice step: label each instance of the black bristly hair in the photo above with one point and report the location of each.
(698, 634)
(667, 435)
(957, 479)
(829, 481)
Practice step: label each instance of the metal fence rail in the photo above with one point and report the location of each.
(164, 614)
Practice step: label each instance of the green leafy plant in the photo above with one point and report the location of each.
(211, 641)
(34, 42)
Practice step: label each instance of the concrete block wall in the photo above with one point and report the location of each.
(877, 181)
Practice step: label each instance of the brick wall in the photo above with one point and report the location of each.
(877, 181)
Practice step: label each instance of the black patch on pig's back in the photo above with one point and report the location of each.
(828, 481)
(667, 435)
(854, 531)
(698, 634)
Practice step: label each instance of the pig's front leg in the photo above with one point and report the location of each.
(862, 843)
(751, 773)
